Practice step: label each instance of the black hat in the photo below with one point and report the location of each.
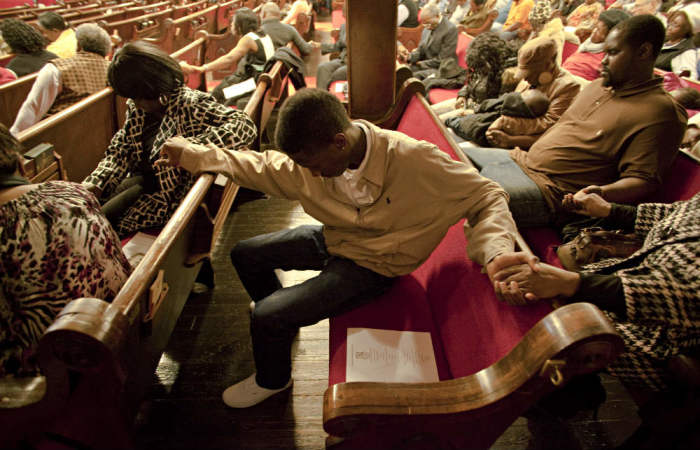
(612, 17)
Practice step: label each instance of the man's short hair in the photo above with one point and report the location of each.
(52, 21)
(640, 29)
(430, 10)
(309, 119)
(271, 9)
(93, 38)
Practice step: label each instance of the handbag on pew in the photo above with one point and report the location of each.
(595, 244)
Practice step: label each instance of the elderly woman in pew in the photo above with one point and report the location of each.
(679, 55)
(651, 296)
(248, 57)
(27, 44)
(138, 194)
(55, 246)
(537, 69)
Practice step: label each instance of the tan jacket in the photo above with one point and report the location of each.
(420, 193)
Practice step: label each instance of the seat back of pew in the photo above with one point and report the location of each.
(189, 8)
(79, 133)
(217, 46)
(225, 13)
(193, 53)
(409, 37)
(12, 95)
(180, 32)
(41, 163)
(147, 25)
(371, 36)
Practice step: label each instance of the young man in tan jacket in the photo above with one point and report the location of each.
(385, 201)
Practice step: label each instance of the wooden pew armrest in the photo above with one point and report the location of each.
(579, 335)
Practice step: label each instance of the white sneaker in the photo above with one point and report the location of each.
(252, 306)
(247, 393)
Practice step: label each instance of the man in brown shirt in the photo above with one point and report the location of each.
(618, 137)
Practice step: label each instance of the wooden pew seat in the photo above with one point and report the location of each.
(492, 358)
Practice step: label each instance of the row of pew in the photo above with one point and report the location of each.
(97, 357)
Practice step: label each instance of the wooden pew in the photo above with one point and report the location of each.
(489, 372)
(180, 32)
(12, 95)
(225, 13)
(124, 14)
(147, 25)
(98, 358)
(80, 145)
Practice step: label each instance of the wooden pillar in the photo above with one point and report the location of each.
(371, 38)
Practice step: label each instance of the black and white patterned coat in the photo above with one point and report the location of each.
(661, 285)
(191, 114)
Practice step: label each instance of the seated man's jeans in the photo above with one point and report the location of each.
(527, 204)
(279, 312)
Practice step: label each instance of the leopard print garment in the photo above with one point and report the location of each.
(55, 246)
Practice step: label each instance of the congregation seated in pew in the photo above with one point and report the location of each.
(537, 68)
(28, 46)
(135, 193)
(64, 81)
(620, 135)
(249, 56)
(385, 201)
(55, 246)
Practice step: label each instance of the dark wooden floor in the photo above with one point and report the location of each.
(210, 349)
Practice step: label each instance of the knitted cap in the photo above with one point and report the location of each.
(612, 17)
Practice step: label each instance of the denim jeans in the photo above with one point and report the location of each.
(279, 312)
(527, 204)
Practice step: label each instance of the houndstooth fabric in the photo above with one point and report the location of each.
(661, 283)
(191, 114)
(81, 75)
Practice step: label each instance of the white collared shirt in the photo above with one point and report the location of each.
(351, 182)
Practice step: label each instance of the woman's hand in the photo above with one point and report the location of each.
(588, 201)
(460, 103)
(520, 285)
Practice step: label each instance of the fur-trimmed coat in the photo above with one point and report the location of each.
(661, 283)
(192, 114)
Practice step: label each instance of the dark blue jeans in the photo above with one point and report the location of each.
(279, 312)
(527, 204)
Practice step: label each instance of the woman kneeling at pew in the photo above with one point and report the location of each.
(55, 246)
(138, 194)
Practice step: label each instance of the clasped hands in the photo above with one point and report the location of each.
(519, 278)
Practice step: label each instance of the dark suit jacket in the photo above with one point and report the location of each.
(339, 45)
(281, 34)
(436, 45)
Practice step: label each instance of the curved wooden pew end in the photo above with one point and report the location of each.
(87, 334)
(572, 340)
